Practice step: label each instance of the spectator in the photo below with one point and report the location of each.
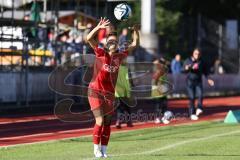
(176, 68)
(61, 48)
(176, 65)
(218, 68)
(123, 37)
(86, 48)
(194, 68)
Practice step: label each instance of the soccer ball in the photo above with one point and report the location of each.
(122, 12)
(168, 115)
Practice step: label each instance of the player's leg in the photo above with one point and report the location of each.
(157, 102)
(97, 131)
(163, 108)
(106, 131)
(163, 105)
(128, 112)
(120, 112)
(199, 91)
(191, 96)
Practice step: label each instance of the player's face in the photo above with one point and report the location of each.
(112, 43)
(196, 54)
(178, 57)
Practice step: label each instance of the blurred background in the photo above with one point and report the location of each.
(36, 36)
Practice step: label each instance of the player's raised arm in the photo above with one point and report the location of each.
(91, 36)
(135, 36)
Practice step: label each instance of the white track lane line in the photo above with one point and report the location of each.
(173, 145)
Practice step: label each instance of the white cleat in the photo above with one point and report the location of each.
(199, 111)
(104, 151)
(194, 117)
(105, 156)
(97, 152)
(165, 121)
(157, 121)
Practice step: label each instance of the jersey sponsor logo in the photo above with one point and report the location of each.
(109, 68)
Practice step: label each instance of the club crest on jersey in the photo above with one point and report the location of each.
(109, 68)
(116, 61)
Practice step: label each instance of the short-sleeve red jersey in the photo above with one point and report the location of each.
(106, 69)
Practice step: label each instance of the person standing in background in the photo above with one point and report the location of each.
(195, 68)
(218, 68)
(176, 66)
(123, 37)
(159, 97)
(123, 87)
(122, 93)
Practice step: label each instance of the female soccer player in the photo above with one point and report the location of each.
(102, 86)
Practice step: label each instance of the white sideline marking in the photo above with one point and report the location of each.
(53, 133)
(173, 145)
(28, 120)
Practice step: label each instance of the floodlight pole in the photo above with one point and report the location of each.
(220, 33)
(199, 24)
(45, 10)
(238, 24)
(149, 38)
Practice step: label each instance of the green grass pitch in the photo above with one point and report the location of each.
(200, 141)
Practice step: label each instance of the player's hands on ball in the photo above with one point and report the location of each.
(103, 23)
(210, 82)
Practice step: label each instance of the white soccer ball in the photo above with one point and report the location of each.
(122, 12)
(168, 115)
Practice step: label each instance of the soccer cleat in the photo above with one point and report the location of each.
(105, 156)
(199, 111)
(104, 151)
(165, 121)
(129, 124)
(118, 124)
(97, 151)
(157, 121)
(194, 117)
(98, 154)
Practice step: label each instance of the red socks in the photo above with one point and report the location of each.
(97, 131)
(101, 133)
(105, 135)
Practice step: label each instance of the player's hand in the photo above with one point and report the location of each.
(135, 27)
(195, 66)
(187, 67)
(104, 23)
(211, 82)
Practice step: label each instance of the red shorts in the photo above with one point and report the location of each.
(100, 100)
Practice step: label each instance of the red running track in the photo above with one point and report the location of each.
(32, 129)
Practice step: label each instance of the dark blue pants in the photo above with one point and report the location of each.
(160, 106)
(123, 108)
(194, 89)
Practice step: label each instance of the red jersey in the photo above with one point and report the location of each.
(106, 70)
